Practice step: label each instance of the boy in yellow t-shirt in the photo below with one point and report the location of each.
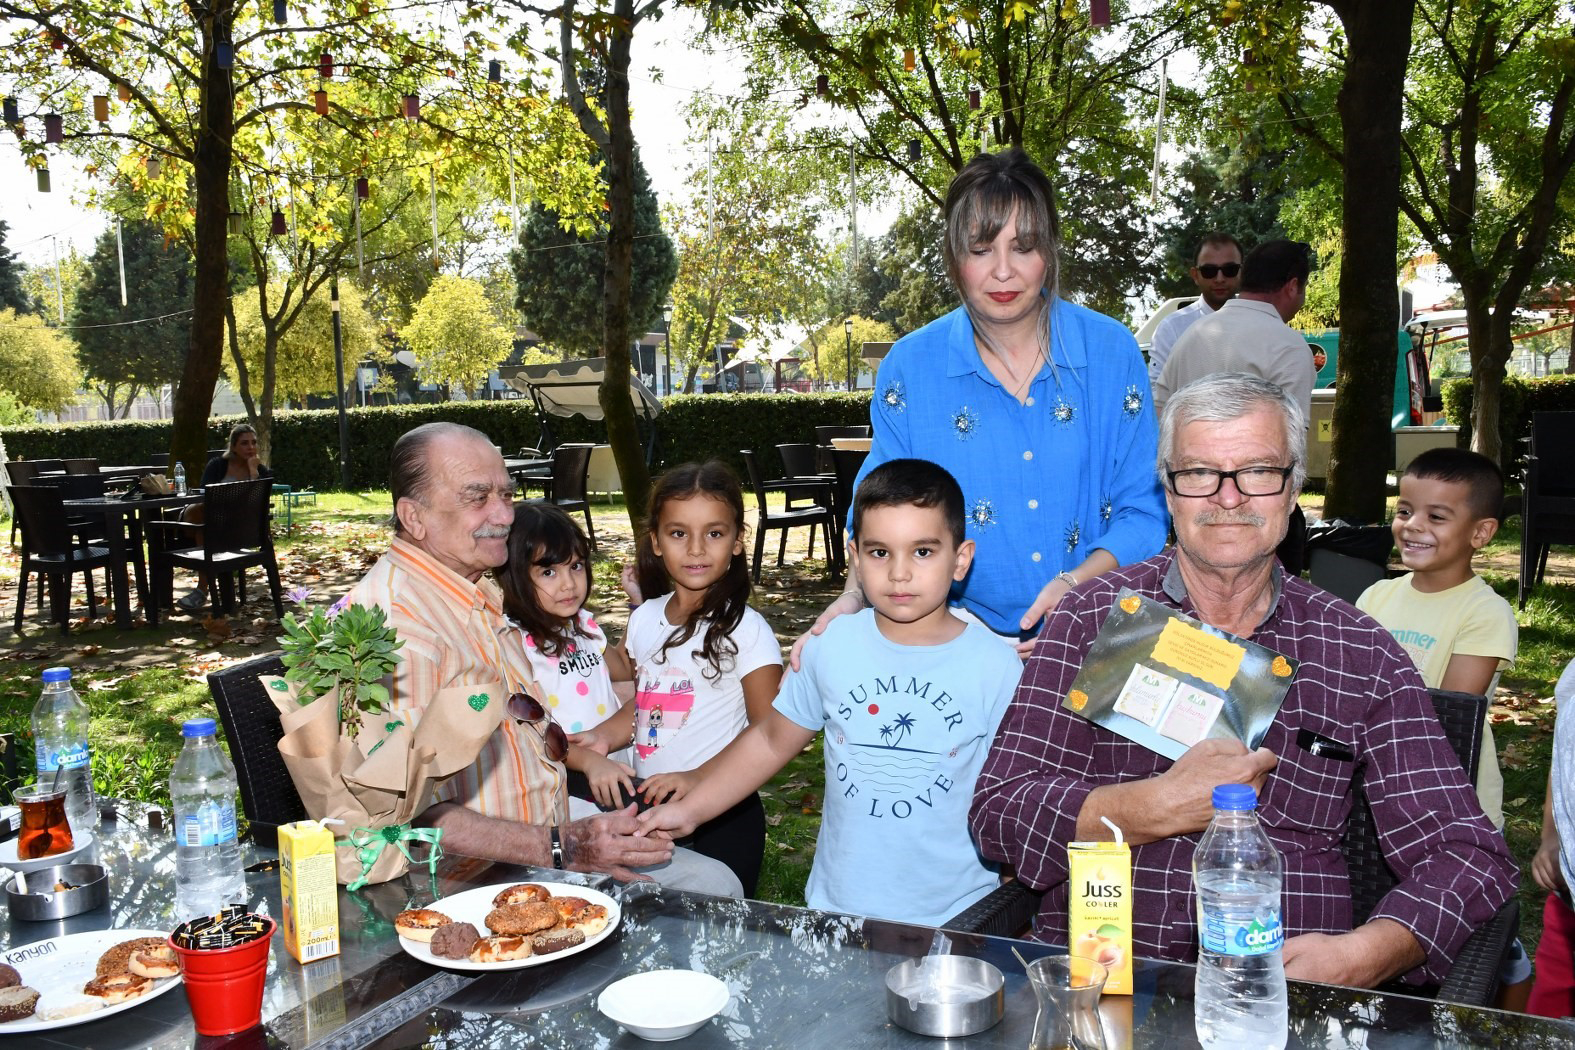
(1456, 629)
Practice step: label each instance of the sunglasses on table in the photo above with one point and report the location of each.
(1211, 271)
(522, 707)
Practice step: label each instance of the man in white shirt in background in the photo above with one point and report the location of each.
(1216, 270)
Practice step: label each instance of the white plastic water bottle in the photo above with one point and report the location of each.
(1240, 996)
(180, 478)
(208, 871)
(60, 736)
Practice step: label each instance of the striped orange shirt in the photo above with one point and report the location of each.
(454, 639)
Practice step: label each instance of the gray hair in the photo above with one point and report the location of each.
(1225, 396)
(410, 471)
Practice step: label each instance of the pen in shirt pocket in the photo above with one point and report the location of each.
(1322, 747)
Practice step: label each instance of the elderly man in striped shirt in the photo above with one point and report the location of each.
(1231, 451)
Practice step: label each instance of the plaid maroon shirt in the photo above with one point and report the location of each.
(1354, 685)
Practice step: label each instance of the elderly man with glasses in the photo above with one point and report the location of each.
(1231, 456)
(453, 508)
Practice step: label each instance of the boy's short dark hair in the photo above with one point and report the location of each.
(911, 482)
(1272, 263)
(1483, 480)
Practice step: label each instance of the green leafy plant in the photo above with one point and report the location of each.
(350, 649)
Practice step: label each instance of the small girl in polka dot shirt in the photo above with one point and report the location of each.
(545, 583)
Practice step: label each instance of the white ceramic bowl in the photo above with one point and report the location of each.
(663, 1005)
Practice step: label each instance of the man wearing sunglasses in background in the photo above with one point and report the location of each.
(453, 508)
(1216, 271)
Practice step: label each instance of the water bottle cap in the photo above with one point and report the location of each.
(198, 727)
(57, 674)
(1235, 797)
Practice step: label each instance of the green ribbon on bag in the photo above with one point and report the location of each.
(369, 844)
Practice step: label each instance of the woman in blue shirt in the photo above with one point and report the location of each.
(1040, 408)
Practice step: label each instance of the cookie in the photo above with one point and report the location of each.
(419, 924)
(556, 941)
(575, 913)
(500, 949)
(8, 976)
(154, 962)
(118, 958)
(522, 919)
(454, 940)
(117, 987)
(524, 893)
(16, 1002)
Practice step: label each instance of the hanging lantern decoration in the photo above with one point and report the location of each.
(54, 128)
(363, 189)
(325, 66)
(278, 228)
(822, 84)
(224, 54)
(1099, 12)
(279, 12)
(12, 114)
(908, 61)
(101, 108)
(915, 151)
(237, 223)
(56, 41)
(412, 107)
(154, 167)
(320, 102)
(124, 91)
(973, 98)
(43, 180)
(495, 71)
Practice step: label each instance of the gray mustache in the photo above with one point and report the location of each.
(491, 532)
(1229, 518)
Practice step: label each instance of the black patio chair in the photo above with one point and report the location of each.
(570, 466)
(81, 466)
(799, 463)
(19, 472)
(805, 517)
(1473, 980)
(51, 550)
(251, 725)
(235, 537)
(1547, 502)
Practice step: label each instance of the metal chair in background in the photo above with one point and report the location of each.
(782, 520)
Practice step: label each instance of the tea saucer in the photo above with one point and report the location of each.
(8, 858)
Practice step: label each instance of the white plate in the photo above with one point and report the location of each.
(60, 966)
(472, 906)
(8, 858)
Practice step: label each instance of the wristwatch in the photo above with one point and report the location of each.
(557, 848)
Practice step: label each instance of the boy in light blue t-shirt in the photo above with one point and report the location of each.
(909, 697)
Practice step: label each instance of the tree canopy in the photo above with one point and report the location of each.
(38, 366)
(455, 335)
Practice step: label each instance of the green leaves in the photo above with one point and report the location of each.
(352, 652)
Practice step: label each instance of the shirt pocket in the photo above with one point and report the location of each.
(1308, 793)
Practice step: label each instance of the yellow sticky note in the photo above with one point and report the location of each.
(1199, 653)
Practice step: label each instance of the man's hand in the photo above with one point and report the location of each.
(607, 842)
(1364, 958)
(668, 787)
(847, 603)
(671, 817)
(1188, 786)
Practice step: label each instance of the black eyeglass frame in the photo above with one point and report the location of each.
(1219, 480)
(1228, 269)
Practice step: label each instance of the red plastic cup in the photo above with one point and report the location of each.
(225, 985)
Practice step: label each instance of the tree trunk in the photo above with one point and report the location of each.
(1378, 34)
(211, 161)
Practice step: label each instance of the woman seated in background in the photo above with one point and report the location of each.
(239, 462)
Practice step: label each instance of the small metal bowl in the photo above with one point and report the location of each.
(945, 995)
(42, 902)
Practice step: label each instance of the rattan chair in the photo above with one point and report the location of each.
(1473, 980)
(768, 520)
(81, 466)
(1547, 500)
(251, 725)
(570, 466)
(235, 537)
(51, 550)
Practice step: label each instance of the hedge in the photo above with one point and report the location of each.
(305, 450)
(1518, 399)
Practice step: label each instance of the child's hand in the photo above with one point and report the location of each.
(631, 584)
(1545, 865)
(668, 787)
(672, 818)
(610, 781)
(596, 739)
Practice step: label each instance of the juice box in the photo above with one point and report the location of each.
(309, 890)
(1099, 908)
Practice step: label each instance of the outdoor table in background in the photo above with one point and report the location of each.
(527, 472)
(123, 533)
(129, 473)
(854, 443)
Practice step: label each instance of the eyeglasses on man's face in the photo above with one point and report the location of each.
(522, 707)
(1209, 271)
(1199, 482)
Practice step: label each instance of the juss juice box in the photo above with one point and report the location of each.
(1099, 908)
(309, 890)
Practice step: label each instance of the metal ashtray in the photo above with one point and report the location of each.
(945, 995)
(89, 889)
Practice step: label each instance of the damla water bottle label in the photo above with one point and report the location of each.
(1223, 937)
(73, 756)
(212, 825)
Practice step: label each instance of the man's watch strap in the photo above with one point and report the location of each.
(557, 848)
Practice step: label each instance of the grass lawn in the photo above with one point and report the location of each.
(141, 683)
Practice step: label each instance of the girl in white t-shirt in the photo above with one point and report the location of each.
(706, 663)
(545, 583)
